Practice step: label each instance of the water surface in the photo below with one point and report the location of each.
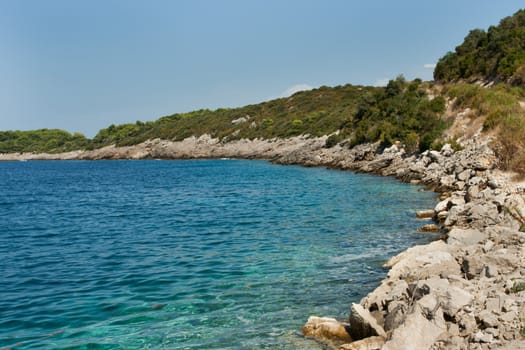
(207, 254)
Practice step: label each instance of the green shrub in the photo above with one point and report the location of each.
(333, 140)
(496, 54)
(518, 287)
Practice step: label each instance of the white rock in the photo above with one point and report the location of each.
(363, 324)
(441, 206)
(371, 343)
(466, 237)
(325, 328)
(481, 337)
(418, 332)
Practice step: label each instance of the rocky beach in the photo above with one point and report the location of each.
(463, 291)
(458, 132)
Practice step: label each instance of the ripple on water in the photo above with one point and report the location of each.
(190, 254)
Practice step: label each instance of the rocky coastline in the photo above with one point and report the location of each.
(465, 291)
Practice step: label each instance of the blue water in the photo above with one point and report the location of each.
(207, 254)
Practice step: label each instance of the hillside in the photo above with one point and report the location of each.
(400, 111)
(482, 82)
(497, 54)
(495, 59)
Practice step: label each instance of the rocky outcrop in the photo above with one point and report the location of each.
(468, 290)
(191, 148)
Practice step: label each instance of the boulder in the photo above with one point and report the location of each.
(441, 206)
(455, 299)
(451, 298)
(422, 262)
(472, 265)
(488, 319)
(481, 337)
(326, 328)
(447, 150)
(447, 181)
(504, 260)
(421, 328)
(455, 215)
(487, 247)
(396, 315)
(442, 216)
(472, 193)
(464, 175)
(466, 237)
(388, 292)
(425, 214)
(370, 343)
(377, 164)
(435, 156)
(363, 324)
(457, 199)
(484, 214)
(429, 228)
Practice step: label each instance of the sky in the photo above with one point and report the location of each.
(83, 65)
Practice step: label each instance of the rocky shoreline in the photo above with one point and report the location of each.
(466, 291)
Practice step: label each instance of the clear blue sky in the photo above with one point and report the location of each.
(83, 65)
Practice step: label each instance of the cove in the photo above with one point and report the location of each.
(215, 254)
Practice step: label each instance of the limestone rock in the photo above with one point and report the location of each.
(447, 181)
(447, 150)
(424, 214)
(429, 228)
(488, 319)
(441, 206)
(442, 216)
(363, 324)
(422, 262)
(419, 331)
(395, 316)
(325, 328)
(457, 199)
(481, 337)
(370, 343)
(451, 298)
(472, 266)
(458, 236)
(464, 175)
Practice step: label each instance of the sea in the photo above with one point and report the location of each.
(192, 254)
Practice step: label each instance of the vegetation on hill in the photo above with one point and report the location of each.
(402, 111)
(504, 114)
(317, 112)
(497, 54)
(43, 140)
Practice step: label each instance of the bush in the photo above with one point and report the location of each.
(496, 54)
(333, 140)
(401, 112)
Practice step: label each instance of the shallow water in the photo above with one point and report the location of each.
(206, 254)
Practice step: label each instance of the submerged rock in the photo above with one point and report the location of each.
(429, 228)
(325, 328)
(425, 214)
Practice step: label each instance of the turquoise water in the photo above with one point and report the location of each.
(208, 254)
